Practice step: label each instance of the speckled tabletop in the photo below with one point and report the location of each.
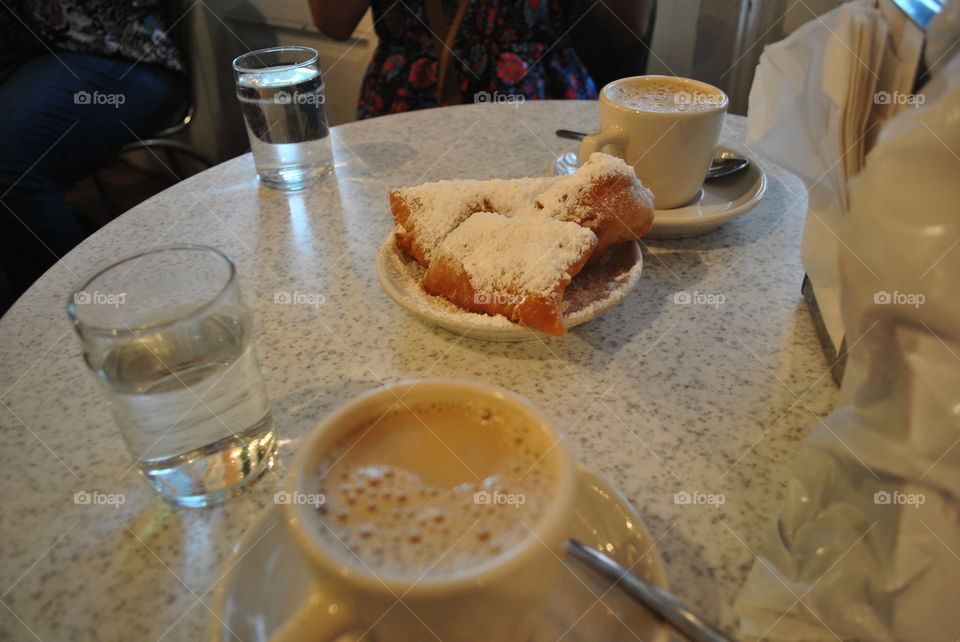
(658, 396)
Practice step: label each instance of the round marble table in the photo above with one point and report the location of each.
(659, 397)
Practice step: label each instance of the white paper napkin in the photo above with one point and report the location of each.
(817, 101)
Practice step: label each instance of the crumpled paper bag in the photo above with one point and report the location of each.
(867, 545)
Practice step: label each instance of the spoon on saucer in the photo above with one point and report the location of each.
(653, 597)
(724, 164)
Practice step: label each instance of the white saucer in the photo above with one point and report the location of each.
(720, 200)
(594, 291)
(266, 579)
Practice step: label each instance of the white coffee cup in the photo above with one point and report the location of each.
(501, 598)
(666, 127)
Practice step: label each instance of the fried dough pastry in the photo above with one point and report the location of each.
(518, 267)
(603, 195)
(425, 214)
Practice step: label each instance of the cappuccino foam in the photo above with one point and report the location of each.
(431, 489)
(666, 96)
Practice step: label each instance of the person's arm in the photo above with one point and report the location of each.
(337, 18)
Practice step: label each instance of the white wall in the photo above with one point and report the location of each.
(720, 41)
(674, 34)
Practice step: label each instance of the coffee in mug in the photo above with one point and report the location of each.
(420, 491)
(445, 508)
(666, 127)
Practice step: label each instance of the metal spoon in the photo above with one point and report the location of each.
(724, 164)
(653, 597)
(572, 135)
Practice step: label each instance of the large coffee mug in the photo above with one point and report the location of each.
(501, 597)
(665, 127)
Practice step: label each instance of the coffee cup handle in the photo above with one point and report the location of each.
(321, 617)
(613, 135)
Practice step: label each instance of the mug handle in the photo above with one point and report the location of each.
(319, 618)
(613, 135)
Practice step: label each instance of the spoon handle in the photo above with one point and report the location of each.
(653, 597)
(569, 133)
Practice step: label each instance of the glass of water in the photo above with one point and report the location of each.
(167, 335)
(281, 95)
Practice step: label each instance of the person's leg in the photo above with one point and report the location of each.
(62, 120)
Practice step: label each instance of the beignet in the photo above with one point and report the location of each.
(518, 267)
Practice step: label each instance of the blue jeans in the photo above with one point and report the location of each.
(61, 120)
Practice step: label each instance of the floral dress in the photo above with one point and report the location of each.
(503, 48)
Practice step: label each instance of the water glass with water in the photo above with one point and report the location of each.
(168, 337)
(281, 92)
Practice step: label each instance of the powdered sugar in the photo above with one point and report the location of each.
(436, 209)
(565, 200)
(523, 254)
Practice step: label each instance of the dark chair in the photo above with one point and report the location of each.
(603, 63)
(164, 140)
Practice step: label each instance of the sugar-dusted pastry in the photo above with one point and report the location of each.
(518, 267)
(426, 213)
(604, 195)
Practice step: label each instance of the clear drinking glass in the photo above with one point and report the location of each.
(167, 335)
(281, 95)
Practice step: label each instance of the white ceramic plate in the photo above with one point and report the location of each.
(592, 292)
(266, 579)
(720, 200)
